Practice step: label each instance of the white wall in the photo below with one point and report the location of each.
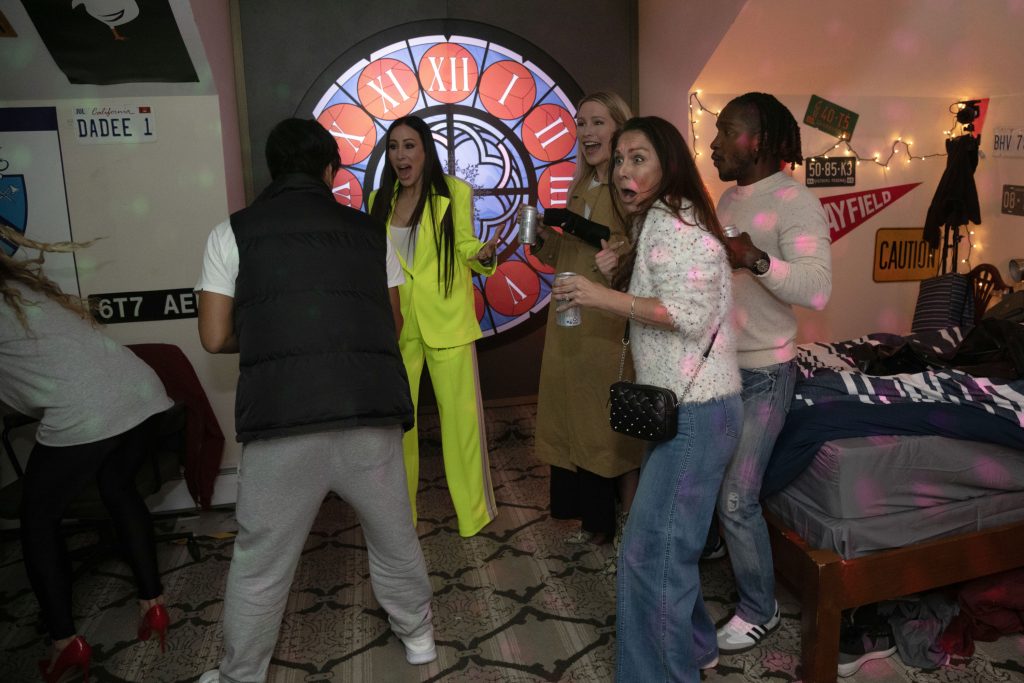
(899, 64)
(1002, 236)
(858, 304)
(152, 203)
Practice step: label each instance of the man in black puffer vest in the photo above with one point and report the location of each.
(305, 290)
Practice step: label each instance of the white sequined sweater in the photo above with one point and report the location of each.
(686, 268)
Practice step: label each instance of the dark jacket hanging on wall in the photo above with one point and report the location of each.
(956, 198)
(317, 342)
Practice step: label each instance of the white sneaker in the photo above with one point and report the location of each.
(579, 537)
(739, 636)
(420, 650)
(212, 676)
(710, 665)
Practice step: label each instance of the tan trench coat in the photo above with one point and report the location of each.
(580, 363)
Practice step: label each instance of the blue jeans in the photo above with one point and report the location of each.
(767, 394)
(663, 630)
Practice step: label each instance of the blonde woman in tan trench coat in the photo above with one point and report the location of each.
(592, 467)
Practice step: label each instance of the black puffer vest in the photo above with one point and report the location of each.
(316, 337)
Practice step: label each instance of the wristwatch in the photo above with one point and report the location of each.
(761, 265)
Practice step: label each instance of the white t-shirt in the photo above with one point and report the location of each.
(405, 242)
(220, 263)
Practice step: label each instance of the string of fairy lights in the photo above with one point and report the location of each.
(848, 151)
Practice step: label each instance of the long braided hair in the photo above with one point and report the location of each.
(29, 272)
(779, 135)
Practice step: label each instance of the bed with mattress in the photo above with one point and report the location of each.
(883, 486)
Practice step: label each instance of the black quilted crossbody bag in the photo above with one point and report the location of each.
(645, 411)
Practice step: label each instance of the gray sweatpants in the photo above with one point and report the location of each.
(281, 484)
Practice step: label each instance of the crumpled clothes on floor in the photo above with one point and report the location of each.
(917, 623)
(990, 607)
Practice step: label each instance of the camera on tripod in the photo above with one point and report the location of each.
(968, 112)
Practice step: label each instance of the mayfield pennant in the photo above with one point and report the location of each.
(847, 211)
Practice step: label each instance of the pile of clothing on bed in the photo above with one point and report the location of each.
(942, 382)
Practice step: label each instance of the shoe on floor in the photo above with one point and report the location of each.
(860, 645)
(580, 537)
(739, 636)
(212, 676)
(420, 650)
(710, 665)
(715, 553)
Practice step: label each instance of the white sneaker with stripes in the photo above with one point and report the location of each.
(739, 636)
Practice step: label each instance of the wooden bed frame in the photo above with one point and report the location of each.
(826, 584)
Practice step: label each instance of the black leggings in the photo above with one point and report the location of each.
(53, 477)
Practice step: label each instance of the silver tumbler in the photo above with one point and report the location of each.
(528, 224)
(570, 317)
(731, 231)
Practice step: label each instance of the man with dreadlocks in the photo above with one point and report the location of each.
(781, 259)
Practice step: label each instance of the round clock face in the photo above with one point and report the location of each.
(501, 123)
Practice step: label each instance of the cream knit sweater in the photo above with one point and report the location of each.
(787, 221)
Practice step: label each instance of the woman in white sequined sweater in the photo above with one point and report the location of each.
(676, 298)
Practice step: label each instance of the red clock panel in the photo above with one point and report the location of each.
(501, 122)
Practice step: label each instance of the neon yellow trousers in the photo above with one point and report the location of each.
(467, 470)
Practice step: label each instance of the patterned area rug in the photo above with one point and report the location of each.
(515, 603)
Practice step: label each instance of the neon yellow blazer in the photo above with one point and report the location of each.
(443, 321)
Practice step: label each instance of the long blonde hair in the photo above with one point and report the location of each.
(29, 272)
(620, 113)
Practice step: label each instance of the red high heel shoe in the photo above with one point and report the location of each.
(76, 653)
(156, 619)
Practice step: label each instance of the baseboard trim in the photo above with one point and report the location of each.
(511, 401)
(174, 496)
(505, 402)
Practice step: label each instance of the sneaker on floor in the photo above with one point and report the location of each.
(420, 650)
(580, 537)
(710, 665)
(860, 645)
(739, 636)
(212, 676)
(715, 553)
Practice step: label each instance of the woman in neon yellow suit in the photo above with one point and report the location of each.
(429, 219)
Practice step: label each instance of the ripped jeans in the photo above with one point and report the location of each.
(767, 393)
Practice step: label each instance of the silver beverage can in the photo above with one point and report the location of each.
(571, 316)
(731, 231)
(528, 224)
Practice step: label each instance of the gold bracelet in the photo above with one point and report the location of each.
(632, 309)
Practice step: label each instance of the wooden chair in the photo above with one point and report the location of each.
(985, 281)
